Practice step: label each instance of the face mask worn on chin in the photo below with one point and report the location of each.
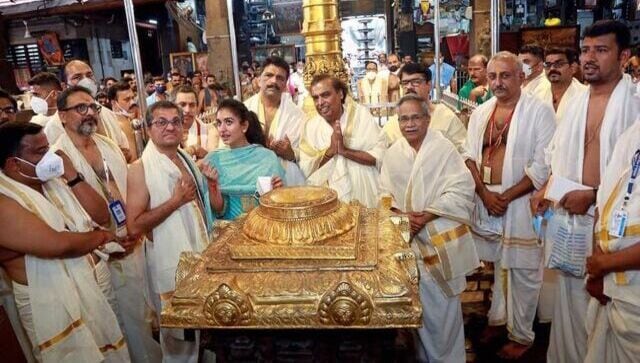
(49, 167)
(39, 105)
(89, 84)
(121, 111)
(371, 75)
(527, 70)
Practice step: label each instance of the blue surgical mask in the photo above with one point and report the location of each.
(161, 89)
(537, 221)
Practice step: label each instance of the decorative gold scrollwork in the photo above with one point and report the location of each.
(345, 305)
(227, 307)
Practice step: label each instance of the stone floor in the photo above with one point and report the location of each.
(475, 304)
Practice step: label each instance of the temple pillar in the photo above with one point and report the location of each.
(480, 41)
(218, 42)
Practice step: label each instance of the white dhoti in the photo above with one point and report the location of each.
(441, 339)
(566, 158)
(287, 122)
(568, 337)
(547, 295)
(442, 187)
(184, 230)
(350, 179)
(127, 274)
(510, 241)
(614, 336)
(614, 329)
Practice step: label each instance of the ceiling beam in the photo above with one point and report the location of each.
(77, 8)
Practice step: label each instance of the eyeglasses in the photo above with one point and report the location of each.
(414, 118)
(414, 82)
(9, 110)
(163, 122)
(83, 108)
(557, 65)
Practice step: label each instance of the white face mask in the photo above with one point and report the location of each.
(527, 70)
(89, 84)
(123, 112)
(371, 75)
(49, 167)
(39, 105)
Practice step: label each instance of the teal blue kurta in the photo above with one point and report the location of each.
(238, 171)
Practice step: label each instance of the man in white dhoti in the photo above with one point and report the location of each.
(559, 92)
(579, 152)
(79, 73)
(505, 152)
(60, 304)
(341, 146)
(198, 138)
(532, 58)
(436, 193)
(613, 321)
(104, 168)
(416, 79)
(562, 86)
(373, 88)
(171, 205)
(45, 88)
(280, 118)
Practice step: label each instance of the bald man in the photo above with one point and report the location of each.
(476, 89)
(504, 151)
(79, 73)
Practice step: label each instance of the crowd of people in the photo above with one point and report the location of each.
(540, 184)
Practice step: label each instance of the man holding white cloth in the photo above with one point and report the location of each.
(505, 152)
(579, 152)
(437, 196)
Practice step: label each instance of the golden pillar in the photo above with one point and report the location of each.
(321, 30)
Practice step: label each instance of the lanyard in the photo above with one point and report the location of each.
(492, 124)
(635, 170)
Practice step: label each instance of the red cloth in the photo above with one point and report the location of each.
(458, 45)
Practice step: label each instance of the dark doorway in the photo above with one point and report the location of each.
(150, 52)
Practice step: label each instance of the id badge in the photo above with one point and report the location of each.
(618, 224)
(486, 174)
(117, 211)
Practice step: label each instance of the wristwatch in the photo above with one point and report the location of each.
(79, 178)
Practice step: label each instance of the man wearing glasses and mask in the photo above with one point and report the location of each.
(104, 167)
(79, 73)
(416, 79)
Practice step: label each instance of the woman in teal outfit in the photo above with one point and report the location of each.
(237, 168)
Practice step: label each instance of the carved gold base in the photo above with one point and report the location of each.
(378, 289)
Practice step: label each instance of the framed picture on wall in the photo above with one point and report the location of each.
(182, 62)
(563, 36)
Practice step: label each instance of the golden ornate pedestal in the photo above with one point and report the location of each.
(301, 259)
